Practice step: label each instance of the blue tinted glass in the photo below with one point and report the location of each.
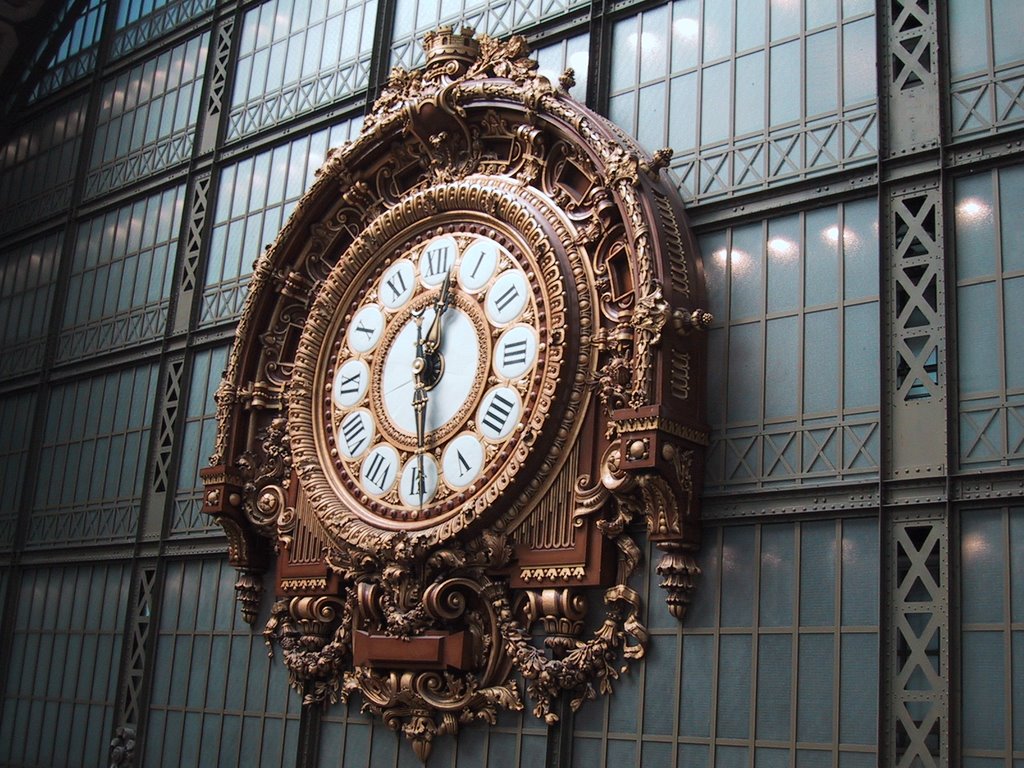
(821, 72)
(860, 572)
(821, 254)
(718, 27)
(860, 248)
(686, 35)
(785, 83)
(749, 93)
(1011, 202)
(817, 573)
(975, 227)
(984, 676)
(978, 320)
(1016, 564)
(660, 679)
(782, 368)
(714, 124)
(777, 576)
(696, 685)
(968, 38)
(822, 348)
(814, 688)
(745, 266)
(682, 128)
(858, 689)
(745, 373)
(784, 263)
(751, 31)
(734, 680)
(774, 686)
(859, 74)
(654, 44)
(1013, 322)
(982, 555)
(738, 576)
(861, 355)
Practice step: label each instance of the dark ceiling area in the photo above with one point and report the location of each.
(24, 27)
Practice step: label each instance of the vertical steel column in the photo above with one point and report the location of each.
(915, 632)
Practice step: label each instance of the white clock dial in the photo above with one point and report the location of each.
(409, 486)
(436, 259)
(366, 328)
(379, 470)
(398, 284)
(350, 383)
(460, 351)
(462, 460)
(515, 352)
(355, 434)
(478, 264)
(499, 413)
(506, 299)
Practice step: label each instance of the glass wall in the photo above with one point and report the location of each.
(93, 459)
(992, 627)
(28, 275)
(986, 64)
(749, 93)
(254, 199)
(147, 117)
(216, 695)
(120, 284)
(776, 661)
(794, 348)
(297, 55)
(35, 162)
(990, 317)
(64, 657)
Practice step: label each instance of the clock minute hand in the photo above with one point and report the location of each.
(419, 404)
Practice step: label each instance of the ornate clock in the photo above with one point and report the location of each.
(469, 366)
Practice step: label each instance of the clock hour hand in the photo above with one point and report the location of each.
(441, 304)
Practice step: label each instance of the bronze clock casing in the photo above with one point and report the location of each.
(427, 612)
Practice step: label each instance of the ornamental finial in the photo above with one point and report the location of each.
(444, 43)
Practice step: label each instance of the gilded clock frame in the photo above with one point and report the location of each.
(430, 624)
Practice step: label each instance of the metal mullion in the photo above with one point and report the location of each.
(1000, 308)
(716, 648)
(1007, 633)
(841, 333)
(794, 648)
(638, 735)
(763, 362)
(755, 646)
(837, 641)
(801, 314)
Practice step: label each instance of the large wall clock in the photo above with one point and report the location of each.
(467, 377)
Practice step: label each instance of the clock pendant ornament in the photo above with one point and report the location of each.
(468, 374)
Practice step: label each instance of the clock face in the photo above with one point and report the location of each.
(434, 371)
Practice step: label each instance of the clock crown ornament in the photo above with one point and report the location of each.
(467, 381)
